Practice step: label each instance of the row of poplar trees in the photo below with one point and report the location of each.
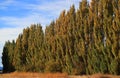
(82, 41)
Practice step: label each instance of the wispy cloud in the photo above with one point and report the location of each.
(5, 3)
(54, 7)
(23, 21)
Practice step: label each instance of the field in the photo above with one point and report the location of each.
(49, 75)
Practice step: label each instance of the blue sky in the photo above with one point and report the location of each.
(18, 14)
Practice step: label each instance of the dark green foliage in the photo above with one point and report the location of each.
(8, 53)
(85, 41)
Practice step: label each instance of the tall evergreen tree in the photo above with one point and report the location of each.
(8, 53)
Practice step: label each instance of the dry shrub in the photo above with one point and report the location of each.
(53, 67)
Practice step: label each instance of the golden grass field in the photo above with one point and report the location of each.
(53, 75)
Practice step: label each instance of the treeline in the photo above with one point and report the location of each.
(82, 41)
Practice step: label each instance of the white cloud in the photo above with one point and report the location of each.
(8, 34)
(6, 3)
(23, 22)
(39, 13)
(53, 7)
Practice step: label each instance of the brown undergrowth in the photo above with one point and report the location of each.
(33, 75)
(52, 75)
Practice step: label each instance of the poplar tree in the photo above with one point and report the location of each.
(8, 53)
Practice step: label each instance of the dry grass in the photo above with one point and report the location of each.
(53, 75)
(95, 76)
(104, 76)
(33, 75)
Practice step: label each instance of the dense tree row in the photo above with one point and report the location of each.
(82, 41)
